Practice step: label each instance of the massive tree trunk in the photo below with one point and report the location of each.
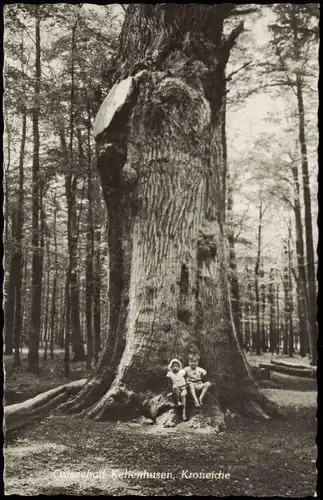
(161, 168)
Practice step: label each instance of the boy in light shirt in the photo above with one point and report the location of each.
(194, 375)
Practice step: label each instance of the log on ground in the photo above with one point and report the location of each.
(292, 365)
(309, 373)
(21, 414)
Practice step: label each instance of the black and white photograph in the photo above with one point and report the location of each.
(160, 235)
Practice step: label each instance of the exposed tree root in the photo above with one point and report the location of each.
(119, 403)
(19, 415)
(91, 392)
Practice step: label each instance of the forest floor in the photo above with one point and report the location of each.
(67, 455)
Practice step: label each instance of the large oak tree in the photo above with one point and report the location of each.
(162, 173)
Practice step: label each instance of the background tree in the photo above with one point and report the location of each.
(295, 36)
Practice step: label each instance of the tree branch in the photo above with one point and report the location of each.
(244, 66)
(231, 40)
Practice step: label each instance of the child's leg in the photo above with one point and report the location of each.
(183, 399)
(192, 391)
(206, 387)
(177, 395)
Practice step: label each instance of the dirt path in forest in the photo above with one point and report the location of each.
(68, 455)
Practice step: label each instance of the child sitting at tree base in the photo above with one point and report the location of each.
(194, 375)
(178, 383)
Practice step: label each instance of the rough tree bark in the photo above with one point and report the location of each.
(161, 168)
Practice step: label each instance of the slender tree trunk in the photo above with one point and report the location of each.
(63, 322)
(263, 314)
(234, 282)
(8, 285)
(34, 332)
(290, 298)
(257, 271)
(247, 341)
(53, 321)
(286, 326)
(71, 185)
(89, 262)
(20, 262)
(11, 291)
(251, 299)
(46, 324)
(228, 209)
(278, 319)
(97, 278)
(42, 254)
(25, 302)
(271, 301)
(305, 331)
(308, 223)
(76, 339)
(67, 326)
